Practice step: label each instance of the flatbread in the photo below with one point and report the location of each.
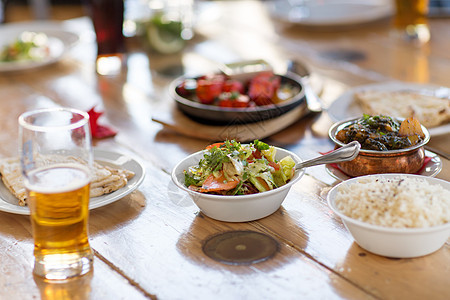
(108, 188)
(431, 111)
(105, 179)
(12, 178)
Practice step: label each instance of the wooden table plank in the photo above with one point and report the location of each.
(149, 244)
(17, 280)
(139, 241)
(309, 224)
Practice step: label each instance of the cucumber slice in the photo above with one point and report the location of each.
(287, 165)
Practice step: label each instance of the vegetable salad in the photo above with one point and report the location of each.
(230, 168)
(28, 46)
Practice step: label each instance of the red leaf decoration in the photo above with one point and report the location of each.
(97, 130)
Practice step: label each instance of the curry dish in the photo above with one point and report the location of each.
(382, 133)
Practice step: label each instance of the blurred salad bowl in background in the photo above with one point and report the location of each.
(236, 182)
(28, 46)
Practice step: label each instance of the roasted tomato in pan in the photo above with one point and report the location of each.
(209, 88)
(263, 87)
(232, 85)
(242, 101)
(234, 99)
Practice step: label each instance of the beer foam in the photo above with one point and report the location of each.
(58, 178)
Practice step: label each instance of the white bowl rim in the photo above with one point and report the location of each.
(298, 174)
(380, 228)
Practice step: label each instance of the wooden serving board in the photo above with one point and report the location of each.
(176, 120)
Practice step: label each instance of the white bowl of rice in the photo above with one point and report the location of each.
(394, 215)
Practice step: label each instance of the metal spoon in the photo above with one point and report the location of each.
(313, 101)
(345, 153)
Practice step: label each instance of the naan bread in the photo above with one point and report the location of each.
(429, 110)
(105, 179)
(12, 178)
(117, 179)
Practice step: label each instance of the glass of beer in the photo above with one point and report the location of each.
(411, 19)
(56, 158)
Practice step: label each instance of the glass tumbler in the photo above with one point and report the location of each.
(108, 17)
(410, 19)
(56, 158)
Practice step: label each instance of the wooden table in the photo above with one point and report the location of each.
(149, 244)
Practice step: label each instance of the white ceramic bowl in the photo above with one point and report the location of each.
(394, 242)
(239, 208)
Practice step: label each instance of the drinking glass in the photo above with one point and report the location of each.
(410, 19)
(168, 26)
(107, 17)
(56, 158)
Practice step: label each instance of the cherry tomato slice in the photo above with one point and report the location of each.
(263, 88)
(232, 85)
(208, 90)
(217, 145)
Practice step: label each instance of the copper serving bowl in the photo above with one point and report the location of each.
(408, 160)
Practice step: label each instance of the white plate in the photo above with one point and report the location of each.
(59, 42)
(433, 168)
(9, 203)
(345, 106)
(330, 12)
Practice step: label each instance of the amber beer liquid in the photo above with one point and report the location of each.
(411, 12)
(59, 204)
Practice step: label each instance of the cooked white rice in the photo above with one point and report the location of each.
(401, 202)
